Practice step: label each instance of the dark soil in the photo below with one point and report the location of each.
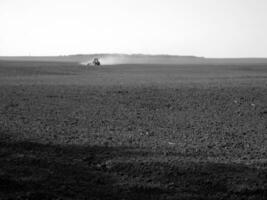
(90, 141)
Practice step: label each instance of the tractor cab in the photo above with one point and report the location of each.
(96, 62)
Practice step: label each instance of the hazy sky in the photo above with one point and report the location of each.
(210, 28)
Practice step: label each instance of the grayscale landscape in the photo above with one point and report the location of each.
(133, 100)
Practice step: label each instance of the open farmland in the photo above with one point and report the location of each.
(132, 131)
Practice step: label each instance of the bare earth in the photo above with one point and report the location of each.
(132, 131)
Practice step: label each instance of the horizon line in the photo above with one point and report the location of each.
(134, 54)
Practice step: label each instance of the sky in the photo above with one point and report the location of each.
(209, 28)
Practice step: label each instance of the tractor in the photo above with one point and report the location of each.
(95, 62)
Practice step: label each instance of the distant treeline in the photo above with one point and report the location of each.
(137, 59)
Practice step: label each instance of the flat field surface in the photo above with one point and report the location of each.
(132, 131)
